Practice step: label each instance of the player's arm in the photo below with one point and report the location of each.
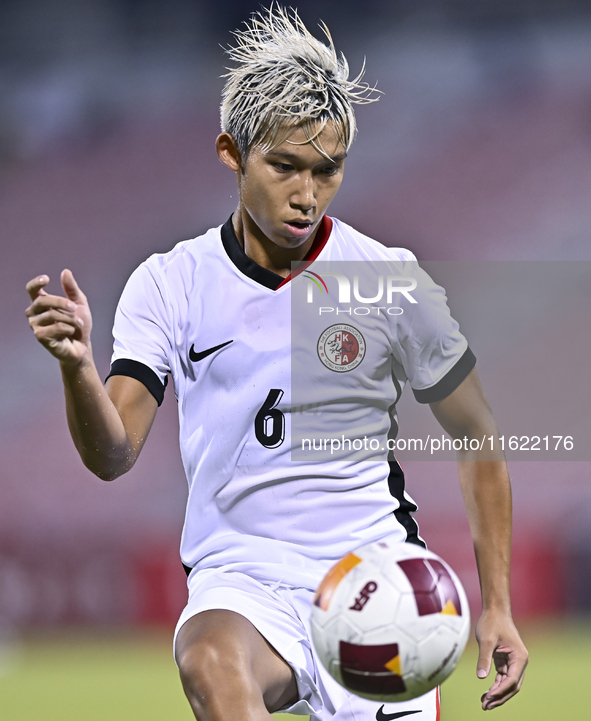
(486, 490)
(109, 424)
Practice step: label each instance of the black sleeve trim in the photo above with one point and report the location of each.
(450, 381)
(143, 374)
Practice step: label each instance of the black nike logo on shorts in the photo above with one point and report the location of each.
(381, 716)
(204, 353)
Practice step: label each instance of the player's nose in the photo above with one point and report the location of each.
(304, 196)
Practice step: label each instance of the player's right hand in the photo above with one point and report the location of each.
(61, 324)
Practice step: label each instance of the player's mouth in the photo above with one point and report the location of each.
(300, 228)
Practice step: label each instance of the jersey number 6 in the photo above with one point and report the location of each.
(269, 422)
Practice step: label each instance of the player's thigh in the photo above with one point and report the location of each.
(221, 652)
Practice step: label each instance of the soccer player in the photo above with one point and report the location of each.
(214, 313)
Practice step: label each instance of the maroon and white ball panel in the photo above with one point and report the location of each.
(390, 621)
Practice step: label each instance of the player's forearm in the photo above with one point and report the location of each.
(95, 424)
(486, 491)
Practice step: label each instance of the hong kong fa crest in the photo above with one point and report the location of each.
(341, 348)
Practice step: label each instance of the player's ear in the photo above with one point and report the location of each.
(228, 152)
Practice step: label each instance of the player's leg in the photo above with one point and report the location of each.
(229, 671)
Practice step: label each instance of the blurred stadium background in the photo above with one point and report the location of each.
(479, 150)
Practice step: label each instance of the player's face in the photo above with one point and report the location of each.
(284, 192)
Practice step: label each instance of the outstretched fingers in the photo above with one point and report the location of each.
(35, 286)
(60, 323)
(71, 288)
(43, 302)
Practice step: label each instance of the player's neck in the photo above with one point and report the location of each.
(265, 252)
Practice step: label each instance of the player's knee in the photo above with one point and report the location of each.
(198, 664)
(208, 671)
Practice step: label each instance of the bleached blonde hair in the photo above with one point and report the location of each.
(285, 79)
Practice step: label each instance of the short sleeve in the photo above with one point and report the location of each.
(431, 349)
(142, 335)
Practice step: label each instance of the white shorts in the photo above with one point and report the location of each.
(281, 614)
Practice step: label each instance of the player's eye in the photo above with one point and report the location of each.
(330, 170)
(283, 167)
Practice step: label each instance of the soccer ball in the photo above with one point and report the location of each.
(390, 621)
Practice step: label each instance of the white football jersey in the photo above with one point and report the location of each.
(260, 364)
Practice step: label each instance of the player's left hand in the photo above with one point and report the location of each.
(499, 641)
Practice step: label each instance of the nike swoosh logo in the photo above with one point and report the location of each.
(381, 716)
(204, 353)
